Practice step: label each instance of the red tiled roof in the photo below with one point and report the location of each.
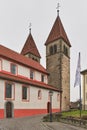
(16, 57)
(57, 32)
(26, 81)
(30, 47)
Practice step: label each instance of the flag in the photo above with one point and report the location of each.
(78, 75)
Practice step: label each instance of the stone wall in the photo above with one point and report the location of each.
(58, 66)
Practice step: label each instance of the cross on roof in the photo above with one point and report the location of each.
(58, 6)
(30, 27)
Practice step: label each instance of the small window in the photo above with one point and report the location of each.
(51, 50)
(9, 90)
(42, 78)
(31, 74)
(25, 93)
(55, 48)
(39, 94)
(13, 68)
(65, 49)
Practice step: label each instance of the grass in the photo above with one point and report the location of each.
(71, 113)
(74, 113)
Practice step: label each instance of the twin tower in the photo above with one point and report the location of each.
(57, 59)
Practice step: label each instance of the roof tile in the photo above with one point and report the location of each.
(30, 47)
(57, 32)
(12, 55)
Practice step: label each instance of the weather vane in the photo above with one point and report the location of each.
(30, 27)
(58, 6)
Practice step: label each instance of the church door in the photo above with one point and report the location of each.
(8, 110)
(48, 107)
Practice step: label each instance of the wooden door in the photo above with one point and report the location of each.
(8, 110)
(48, 107)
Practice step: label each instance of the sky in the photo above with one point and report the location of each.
(16, 16)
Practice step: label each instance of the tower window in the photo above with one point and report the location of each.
(51, 50)
(65, 49)
(55, 48)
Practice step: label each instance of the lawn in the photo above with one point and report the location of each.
(70, 114)
(74, 113)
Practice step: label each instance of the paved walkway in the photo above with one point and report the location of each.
(34, 123)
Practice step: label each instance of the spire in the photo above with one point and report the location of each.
(30, 47)
(57, 32)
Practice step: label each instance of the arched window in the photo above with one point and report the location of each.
(55, 48)
(51, 50)
(39, 94)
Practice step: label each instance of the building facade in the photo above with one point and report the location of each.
(23, 86)
(84, 89)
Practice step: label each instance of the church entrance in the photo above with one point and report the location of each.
(8, 110)
(48, 107)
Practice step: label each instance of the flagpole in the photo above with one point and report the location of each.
(80, 101)
(78, 81)
(80, 88)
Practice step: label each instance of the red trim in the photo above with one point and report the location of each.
(1, 113)
(9, 76)
(27, 112)
(21, 76)
(30, 112)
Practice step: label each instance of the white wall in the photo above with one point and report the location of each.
(34, 102)
(22, 70)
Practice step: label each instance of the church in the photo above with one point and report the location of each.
(25, 85)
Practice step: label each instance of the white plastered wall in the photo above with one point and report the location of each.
(34, 102)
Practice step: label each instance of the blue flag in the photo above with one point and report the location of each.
(78, 75)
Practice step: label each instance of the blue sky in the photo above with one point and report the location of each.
(16, 15)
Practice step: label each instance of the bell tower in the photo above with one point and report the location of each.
(58, 61)
(30, 49)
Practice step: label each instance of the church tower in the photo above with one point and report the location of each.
(58, 61)
(30, 49)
